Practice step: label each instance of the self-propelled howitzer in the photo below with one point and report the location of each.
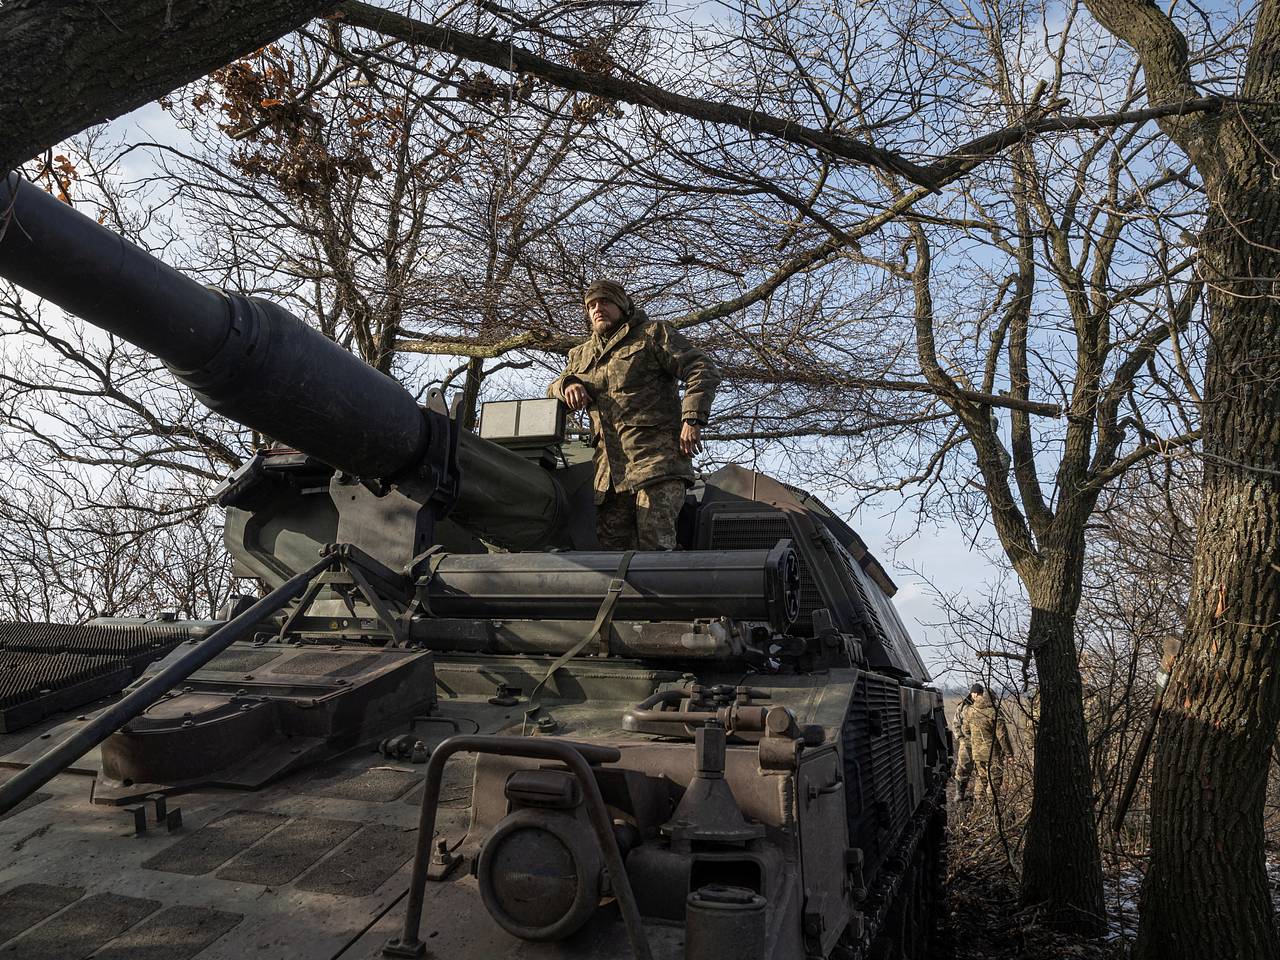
(729, 749)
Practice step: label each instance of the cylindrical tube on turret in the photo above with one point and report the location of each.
(754, 585)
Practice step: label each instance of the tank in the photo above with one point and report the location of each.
(449, 724)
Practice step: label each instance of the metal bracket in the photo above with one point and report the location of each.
(357, 570)
(408, 951)
(598, 631)
(139, 814)
(443, 862)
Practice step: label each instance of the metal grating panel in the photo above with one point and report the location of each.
(26, 905)
(760, 530)
(42, 675)
(90, 638)
(285, 853)
(366, 862)
(177, 933)
(81, 928)
(868, 605)
(47, 667)
(237, 660)
(875, 762)
(317, 664)
(215, 843)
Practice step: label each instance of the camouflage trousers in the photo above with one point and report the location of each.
(987, 775)
(644, 520)
(964, 769)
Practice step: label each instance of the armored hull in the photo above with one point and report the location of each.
(297, 836)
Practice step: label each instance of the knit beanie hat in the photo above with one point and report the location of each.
(608, 290)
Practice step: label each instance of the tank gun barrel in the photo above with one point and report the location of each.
(245, 358)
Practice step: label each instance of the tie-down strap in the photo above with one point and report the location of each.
(599, 629)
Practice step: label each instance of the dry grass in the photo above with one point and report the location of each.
(987, 920)
(985, 856)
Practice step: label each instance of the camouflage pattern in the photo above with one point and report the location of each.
(615, 293)
(987, 777)
(636, 412)
(964, 769)
(988, 737)
(964, 752)
(644, 520)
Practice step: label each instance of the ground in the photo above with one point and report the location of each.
(987, 922)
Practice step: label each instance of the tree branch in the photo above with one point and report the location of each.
(1102, 477)
(1162, 51)
(505, 55)
(1021, 435)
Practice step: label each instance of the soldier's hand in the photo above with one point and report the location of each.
(576, 396)
(690, 439)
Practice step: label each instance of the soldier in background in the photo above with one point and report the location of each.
(988, 738)
(964, 751)
(627, 377)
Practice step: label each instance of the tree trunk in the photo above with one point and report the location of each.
(470, 412)
(80, 62)
(1205, 894)
(1061, 865)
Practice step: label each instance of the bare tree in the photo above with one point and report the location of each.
(795, 173)
(1133, 612)
(71, 551)
(1049, 346)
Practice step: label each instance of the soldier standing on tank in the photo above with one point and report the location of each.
(988, 737)
(964, 750)
(627, 377)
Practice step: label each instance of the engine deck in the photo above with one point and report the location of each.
(316, 864)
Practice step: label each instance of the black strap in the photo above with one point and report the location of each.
(599, 629)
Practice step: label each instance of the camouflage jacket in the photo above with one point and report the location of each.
(961, 710)
(636, 410)
(985, 729)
